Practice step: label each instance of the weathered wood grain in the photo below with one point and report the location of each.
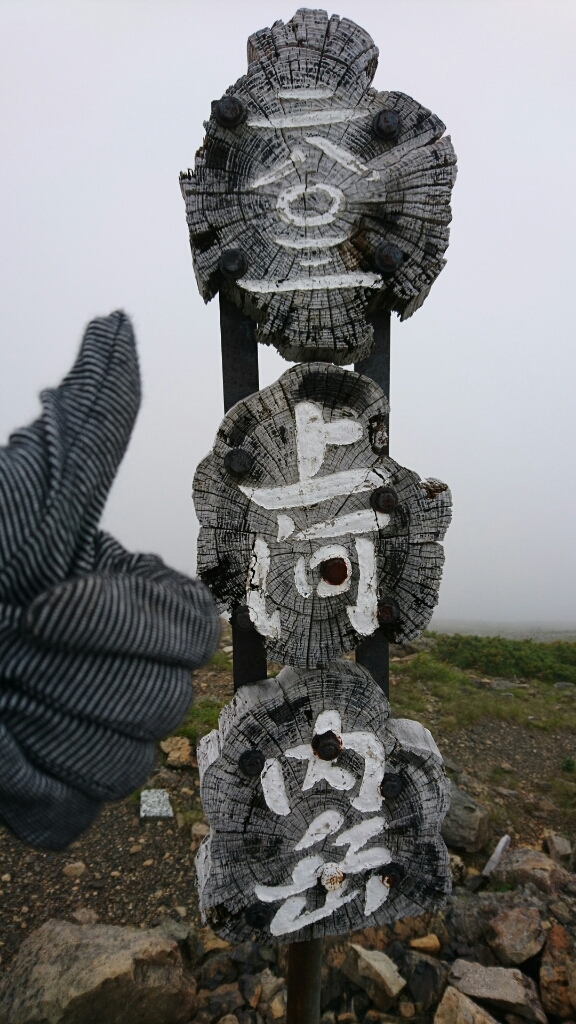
(288, 528)
(265, 828)
(307, 191)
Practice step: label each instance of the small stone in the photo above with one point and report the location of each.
(564, 686)
(155, 803)
(115, 874)
(85, 916)
(181, 911)
(467, 823)
(559, 848)
(507, 988)
(506, 767)
(277, 1005)
(554, 973)
(135, 849)
(230, 1018)
(375, 972)
(456, 1008)
(147, 863)
(406, 1008)
(179, 751)
(200, 829)
(222, 1000)
(510, 794)
(518, 935)
(524, 865)
(251, 989)
(270, 984)
(330, 1017)
(6, 877)
(211, 941)
(426, 944)
(218, 970)
(74, 870)
(426, 979)
(457, 869)
(561, 912)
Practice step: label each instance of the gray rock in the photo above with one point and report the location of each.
(504, 684)
(218, 970)
(467, 824)
(564, 686)
(426, 979)
(375, 972)
(516, 935)
(525, 865)
(559, 848)
(71, 974)
(506, 988)
(456, 1008)
(224, 999)
(155, 803)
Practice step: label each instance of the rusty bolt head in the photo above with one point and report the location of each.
(392, 874)
(388, 611)
(241, 617)
(386, 124)
(229, 111)
(258, 916)
(334, 571)
(388, 258)
(391, 786)
(251, 763)
(233, 264)
(384, 499)
(238, 461)
(326, 745)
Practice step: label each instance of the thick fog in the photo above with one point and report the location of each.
(103, 104)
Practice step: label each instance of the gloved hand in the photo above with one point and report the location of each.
(96, 644)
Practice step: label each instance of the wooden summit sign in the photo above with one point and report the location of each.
(306, 521)
(315, 199)
(324, 813)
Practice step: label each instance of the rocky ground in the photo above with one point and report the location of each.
(128, 872)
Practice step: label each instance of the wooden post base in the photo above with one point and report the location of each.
(304, 982)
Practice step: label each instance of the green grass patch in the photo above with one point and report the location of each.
(201, 718)
(435, 692)
(221, 661)
(495, 656)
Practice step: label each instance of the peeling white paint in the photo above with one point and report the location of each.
(364, 521)
(330, 282)
(289, 918)
(267, 625)
(377, 892)
(314, 434)
(300, 578)
(357, 836)
(203, 864)
(207, 751)
(286, 527)
(307, 219)
(372, 750)
(281, 170)
(316, 263)
(312, 492)
(324, 824)
(325, 589)
(342, 156)
(273, 787)
(364, 614)
(304, 875)
(308, 119)
(318, 769)
(327, 242)
(328, 721)
(321, 92)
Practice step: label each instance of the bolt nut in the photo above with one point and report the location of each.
(229, 111)
(386, 124)
(391, 786)
(258, 916)
(241, 617)
(233, 264)
(384, 499)
(334, 571)
(392, 874)
(238, 461)
(388, 611)
(251, 763)
(326, 745)
(388, 258)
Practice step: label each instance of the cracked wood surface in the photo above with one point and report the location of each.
(295, 536)
(307, 190)
(313, 865)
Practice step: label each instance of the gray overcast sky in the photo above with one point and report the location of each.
(103, 104)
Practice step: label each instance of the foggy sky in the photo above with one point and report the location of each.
(103, 104)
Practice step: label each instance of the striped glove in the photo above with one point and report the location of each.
(96, 644)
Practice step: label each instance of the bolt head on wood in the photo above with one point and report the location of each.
(386, 124)
(392, 874)
(384, 499)
(229, 111)
(391, 786)
(251, 763)
(334, 571)
(238, 461)
(388, 258)
(388, 611)
(258, 916)
(326, 745)
(241, 617)
(233, 264)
